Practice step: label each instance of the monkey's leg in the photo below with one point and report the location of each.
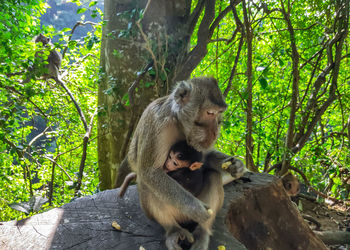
(174, 234)
(166, 215)
(213, 195)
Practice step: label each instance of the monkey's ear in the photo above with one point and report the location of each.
(182, 93)
(196, 165)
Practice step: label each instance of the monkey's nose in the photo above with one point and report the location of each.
(175, 163)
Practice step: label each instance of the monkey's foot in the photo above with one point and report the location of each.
(235, 167)
(172, 239)
(201, 239)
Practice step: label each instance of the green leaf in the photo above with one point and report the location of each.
(81, 10)
(93, 3)
(72, 44)
(149, 84)
(66, 29)
(263, 82)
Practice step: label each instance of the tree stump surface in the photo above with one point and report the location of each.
(256, 211)
(262, 216)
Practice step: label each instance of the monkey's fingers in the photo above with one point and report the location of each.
(209, 210)
(226, 165)
(200, 214)
(185, 234)
(235, 167)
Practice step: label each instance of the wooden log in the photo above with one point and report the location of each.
(257, 211)
(334, 237)
(86, 223)
(261, 216)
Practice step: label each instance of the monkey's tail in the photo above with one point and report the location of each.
(130, 177)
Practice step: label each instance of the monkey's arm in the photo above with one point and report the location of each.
(223, 162)
(172, 193)
(151, 174)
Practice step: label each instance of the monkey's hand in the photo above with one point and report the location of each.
(235, 167)
(199, 211)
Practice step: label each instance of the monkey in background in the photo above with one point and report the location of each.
(181, 157)
(54, 61)
(291, 184)
(192, 112)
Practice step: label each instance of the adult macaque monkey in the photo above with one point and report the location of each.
(54, 61)
(192, 112)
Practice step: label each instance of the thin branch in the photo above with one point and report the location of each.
(279, 30)
(80, 112)
(37, 137)
(136, 83)
(295, 89)
(58, 165)
(79, 23)
(19, 93)
(221, 16)
(193, 19)
(233, 71)
(83, 157)
(249, 103)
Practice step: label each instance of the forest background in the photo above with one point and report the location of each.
(283, 67)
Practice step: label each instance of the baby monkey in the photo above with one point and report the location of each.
(183, 161)
(182, 155)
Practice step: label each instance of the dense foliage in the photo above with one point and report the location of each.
(325, 157)
(41, 136)
(42, 146)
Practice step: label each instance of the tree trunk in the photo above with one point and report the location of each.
(145, 50)
(134, 71)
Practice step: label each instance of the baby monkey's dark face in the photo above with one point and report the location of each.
(181, 156)
(175, 161)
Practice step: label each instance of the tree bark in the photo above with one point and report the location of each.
(249, 109)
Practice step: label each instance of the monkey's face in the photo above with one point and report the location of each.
(291, 185)
(206, 128)
(292, 188)
(199, 104)
(175, 161)
(43, 39)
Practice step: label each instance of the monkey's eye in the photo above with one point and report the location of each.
(211, 112)
(289, 186)
(180, 156)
